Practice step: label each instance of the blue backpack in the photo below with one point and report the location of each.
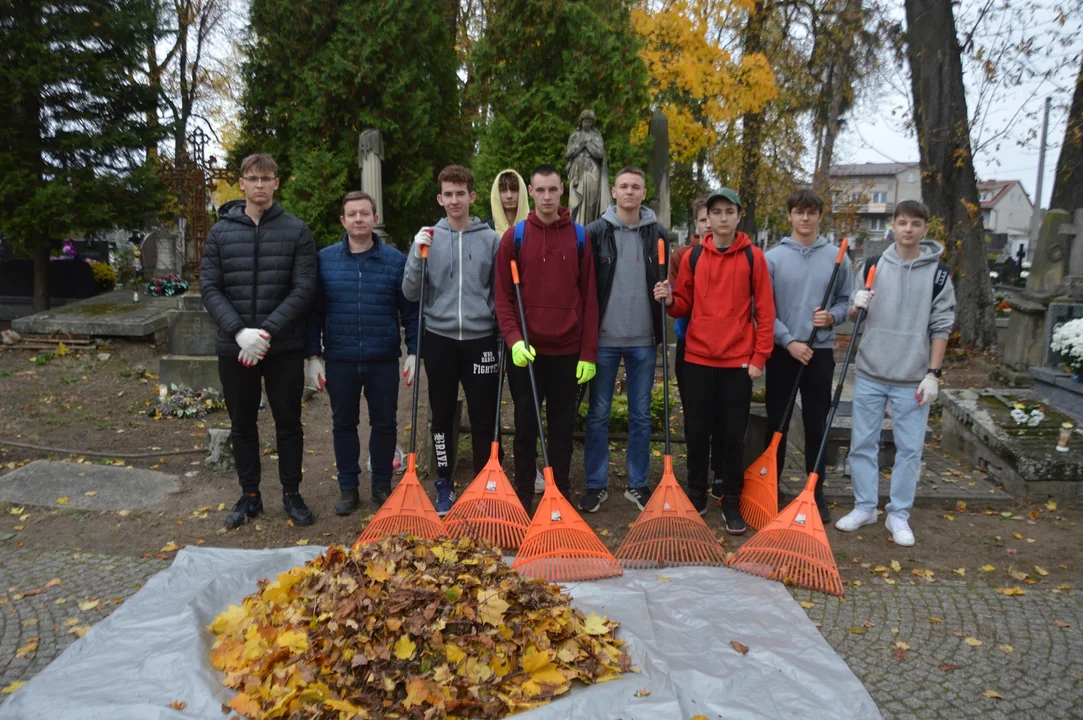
(580, 237)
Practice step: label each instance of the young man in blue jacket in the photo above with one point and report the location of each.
(461, 335)
(800, 267)
(360, 314)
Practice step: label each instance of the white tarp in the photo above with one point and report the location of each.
(154, 649)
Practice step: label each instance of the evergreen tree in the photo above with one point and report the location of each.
(73, 137)
(537, 65)
(318, 72)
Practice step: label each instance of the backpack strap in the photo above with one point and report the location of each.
(940, 279)
(580, 237)
(520, 231)
(870, 263)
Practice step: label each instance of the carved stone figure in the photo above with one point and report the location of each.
(588, 172)
(370, 156)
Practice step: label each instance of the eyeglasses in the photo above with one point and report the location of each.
(256, 179)
(805, 213)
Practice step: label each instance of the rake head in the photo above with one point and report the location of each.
(408, 510)
(560, 546)
(759, 498)
(793, 548)
(669, 531)
(489, 509)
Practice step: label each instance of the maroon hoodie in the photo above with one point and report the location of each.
(558, 289)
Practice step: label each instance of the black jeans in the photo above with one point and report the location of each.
(557, 390)
(241, 387)
(717, 405)
(379, 381)
(716, 463)
(447, 364)
(815, 399)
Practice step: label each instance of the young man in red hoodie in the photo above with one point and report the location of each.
(718, 286)
(556, 276)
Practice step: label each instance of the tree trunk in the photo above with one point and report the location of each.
(751, 128)
(840, 85)
(1068, 183)
(948, 183)
(154, 78)
(41, 273)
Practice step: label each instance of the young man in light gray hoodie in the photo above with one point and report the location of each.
(801, 267)
(625, 244)
(461, 337)
(898, 362)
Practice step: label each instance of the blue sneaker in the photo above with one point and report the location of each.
(445, 496)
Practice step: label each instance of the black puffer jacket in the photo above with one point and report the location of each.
(258, 276)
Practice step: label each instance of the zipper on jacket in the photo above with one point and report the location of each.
(460, 286)
(360, 325)
(255, 278)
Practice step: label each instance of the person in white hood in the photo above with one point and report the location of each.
(508, 201)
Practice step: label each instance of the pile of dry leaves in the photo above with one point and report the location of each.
(408, 628)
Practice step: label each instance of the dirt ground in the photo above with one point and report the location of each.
(77, 403)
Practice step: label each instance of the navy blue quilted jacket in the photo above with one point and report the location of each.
(359, 315)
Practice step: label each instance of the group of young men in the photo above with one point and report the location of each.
(593, 298)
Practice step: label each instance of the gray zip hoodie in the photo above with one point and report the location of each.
(627, 321)
(799, 276)
(459, 289)
(903, 317)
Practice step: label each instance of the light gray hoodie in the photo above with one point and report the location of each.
(903, 317)
(799, 276)
(627, 321)
(459, 289)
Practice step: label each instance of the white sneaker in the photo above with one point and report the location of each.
(539, 482)
(855, 519)
(900, 531)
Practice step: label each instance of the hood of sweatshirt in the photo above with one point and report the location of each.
(500, 221)
(806, 250)
(646, 217)
(799, 278)
(234, 212)
(459, 281)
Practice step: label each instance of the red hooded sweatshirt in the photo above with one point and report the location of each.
(558, 289)
(719, 299)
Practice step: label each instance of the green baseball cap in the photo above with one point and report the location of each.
(724, 194)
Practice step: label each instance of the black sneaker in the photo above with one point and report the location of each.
(295, 507)
(380, 494)
(592, 499)
(638, 496)
(716, 488)
(825, 512)
(249, 506)
(731, 516)
(348, 501)
(699, 502)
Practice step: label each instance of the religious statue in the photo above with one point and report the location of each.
(588, 172)
(370, 155)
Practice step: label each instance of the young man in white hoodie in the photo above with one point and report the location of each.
(460, 340)
(801, 267)
(911, 310)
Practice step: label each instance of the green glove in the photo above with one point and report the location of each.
(521, 354)
(584, 371)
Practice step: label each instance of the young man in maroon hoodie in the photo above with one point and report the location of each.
(725, 351)
(556, 276)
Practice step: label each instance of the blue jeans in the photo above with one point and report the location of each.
(380, 383)
(639, 369)
(908, 422)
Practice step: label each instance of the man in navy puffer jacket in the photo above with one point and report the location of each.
(360, 311)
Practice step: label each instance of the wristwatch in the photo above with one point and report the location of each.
(935, 372)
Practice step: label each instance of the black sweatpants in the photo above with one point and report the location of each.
(716, 464)
(241, 387)
(815, 399)
(557, 385)
(473, 363)
(722, 395)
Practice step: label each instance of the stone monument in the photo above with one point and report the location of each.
(370, 157)
(588, 171)
(658, 167)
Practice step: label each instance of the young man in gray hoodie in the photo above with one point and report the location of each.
(801, 267)
(460, 340)
(898, 362)
(625, 244)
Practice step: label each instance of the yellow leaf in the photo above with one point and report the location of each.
(454, 654)
(1051, 505)
(973, 642)
(643, 693)
(1017, 536)
(1041, 571)
(53, 583)
(960, 571)
(178, 704)
(807, 605)
(169, 547)
(63, 501)
(1007, 649)
(405, 648)
(380, 572)
(1012, 591)
(295, 640)
(79, 630)
(230, 621)
(663, 578)
(540, 667)
(302, 542)
(246, 705)
(416, 692)
(987, 568)
(61, 350)
(13, 687)
(935, 620)
(595, 625)
(89, 604)
(656, 453)
(491, 607)
(993, 694)
(896, 566)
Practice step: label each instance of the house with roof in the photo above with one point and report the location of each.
(869, 193)
(1005, 212)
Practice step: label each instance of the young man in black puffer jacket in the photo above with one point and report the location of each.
(258, 280)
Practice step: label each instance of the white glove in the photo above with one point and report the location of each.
(314, 374)
(862, 298)
(409, 369)
(928, 390)
(254, 342)
(248, 359)
(423, 237)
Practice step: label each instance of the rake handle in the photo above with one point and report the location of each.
(420, 335)
(499, 385)
(842, 381)
(530, 363)
(792, 402)
(665, 344)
